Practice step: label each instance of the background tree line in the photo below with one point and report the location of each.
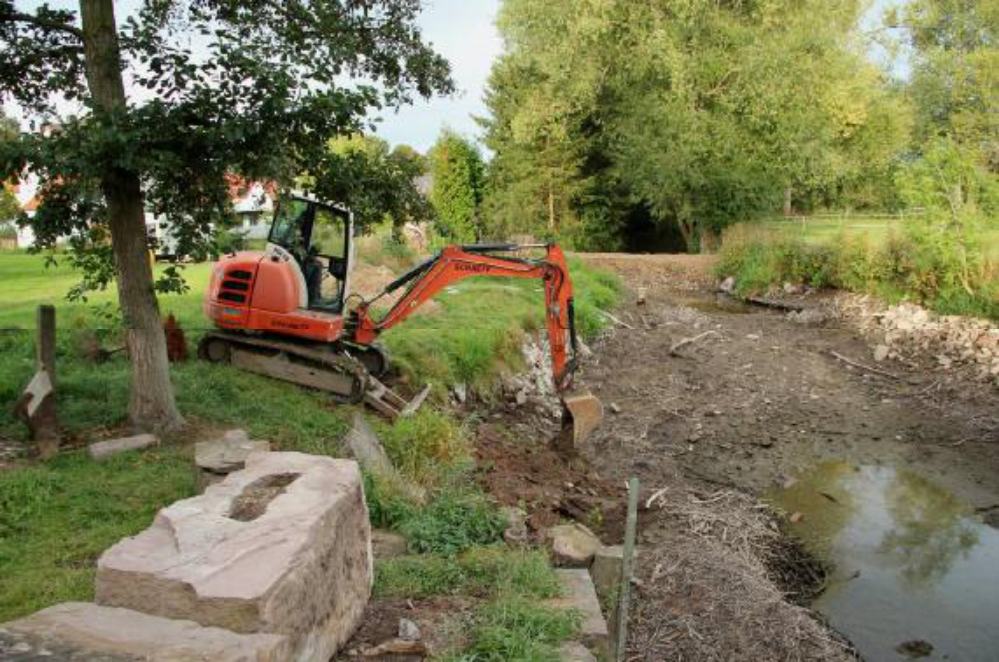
(653, 125)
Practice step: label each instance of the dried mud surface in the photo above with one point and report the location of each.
(711, 424)
(759, 397)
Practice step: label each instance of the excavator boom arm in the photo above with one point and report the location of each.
(456, 263)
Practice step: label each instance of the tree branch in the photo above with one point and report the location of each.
(43, 23)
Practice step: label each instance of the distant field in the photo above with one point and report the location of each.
(26, 282)
(819, 230)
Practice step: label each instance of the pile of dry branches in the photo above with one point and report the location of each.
(709, 591)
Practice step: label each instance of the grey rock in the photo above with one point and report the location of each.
(102, 450)
(515, 534)
(214, 460)
(408, 630)
(881, 353)
(728, 285)
(572, 545)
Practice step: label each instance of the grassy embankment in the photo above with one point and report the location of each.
(875, 230)
(929, 265)
(57, 517)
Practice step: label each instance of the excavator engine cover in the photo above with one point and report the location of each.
(582, 413)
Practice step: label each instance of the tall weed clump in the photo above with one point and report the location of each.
(910, 265)
(759, 258)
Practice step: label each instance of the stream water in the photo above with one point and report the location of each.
(916, 573)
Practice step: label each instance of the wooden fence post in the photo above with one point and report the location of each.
(37, 406)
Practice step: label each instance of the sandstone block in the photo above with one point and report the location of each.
(579, 595)
(281, 547)
(606, 569)
(102, 450)
(573, 545)
(214, 460)
(87, 632)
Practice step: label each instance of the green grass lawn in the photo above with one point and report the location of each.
(27, 282)
(824, 231)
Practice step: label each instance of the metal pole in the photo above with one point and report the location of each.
(624, 597)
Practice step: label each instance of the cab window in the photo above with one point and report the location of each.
(329, 233)
(287, 228)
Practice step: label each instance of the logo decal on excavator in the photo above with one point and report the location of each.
(474, 268)
(281, 324)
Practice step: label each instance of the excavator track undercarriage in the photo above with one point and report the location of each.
(339, 369)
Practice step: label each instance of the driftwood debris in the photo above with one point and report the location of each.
(615, 320)
(777, 305)
(683, 342)
(861, 366)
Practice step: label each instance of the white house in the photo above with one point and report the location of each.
(253, 204)
(26, 194)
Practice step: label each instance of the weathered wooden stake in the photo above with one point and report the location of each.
(47, 426)
(45, 349)
(627, 562)
(37, 406)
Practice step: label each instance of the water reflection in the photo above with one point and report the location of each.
(929, 528)
(912, 563)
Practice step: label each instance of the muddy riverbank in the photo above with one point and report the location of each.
(708, 400)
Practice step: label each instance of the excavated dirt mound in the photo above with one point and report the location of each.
(518, 468)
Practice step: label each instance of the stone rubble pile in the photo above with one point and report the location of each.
(905, 330)
(535, 382)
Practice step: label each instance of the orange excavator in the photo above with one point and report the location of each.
(288, 312)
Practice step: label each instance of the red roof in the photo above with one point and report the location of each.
(239, 187)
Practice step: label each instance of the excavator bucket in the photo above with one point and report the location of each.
(582, 412)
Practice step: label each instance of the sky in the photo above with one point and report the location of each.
(463, 31)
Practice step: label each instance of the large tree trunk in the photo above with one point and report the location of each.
(151, 402)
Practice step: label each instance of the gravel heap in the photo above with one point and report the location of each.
(906, 331)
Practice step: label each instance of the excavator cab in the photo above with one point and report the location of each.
(320, 238)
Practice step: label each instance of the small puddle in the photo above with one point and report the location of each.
(719, 304)
(252, 502)
(916, 573)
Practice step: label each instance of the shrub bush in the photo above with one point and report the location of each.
(426, 446)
